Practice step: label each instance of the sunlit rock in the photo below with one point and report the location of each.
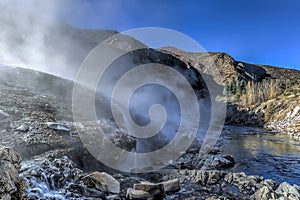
(133, 194)
(103, 182)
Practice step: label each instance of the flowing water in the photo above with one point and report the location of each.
(273, 156)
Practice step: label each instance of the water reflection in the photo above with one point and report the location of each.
(268, 155)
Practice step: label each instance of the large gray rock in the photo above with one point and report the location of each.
(103, 182)
(171, 185)
(10, 182)
(156, 190)
(4, 120)
(133, 194)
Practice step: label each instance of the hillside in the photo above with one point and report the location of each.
(64, 49)
(278, 111)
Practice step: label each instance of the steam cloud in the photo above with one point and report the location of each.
(25, 25)
(34, 34)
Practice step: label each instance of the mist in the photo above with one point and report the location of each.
(35, 36)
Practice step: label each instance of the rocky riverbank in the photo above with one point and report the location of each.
(54, 176)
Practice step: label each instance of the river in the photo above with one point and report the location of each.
(273, 156)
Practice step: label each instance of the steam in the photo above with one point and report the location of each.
(24, 28)
(34, 36)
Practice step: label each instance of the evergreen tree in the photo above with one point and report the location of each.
(239, 88)
(233, 86)
(226, 90)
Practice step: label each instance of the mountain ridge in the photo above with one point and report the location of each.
(71, 46)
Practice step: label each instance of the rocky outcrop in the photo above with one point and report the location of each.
(227, 67)
(11, 185)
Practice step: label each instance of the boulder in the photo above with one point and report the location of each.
(133, 194)
(156, 190)
(103, 182)
(171, 186)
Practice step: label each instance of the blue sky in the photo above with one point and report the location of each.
(256, 31)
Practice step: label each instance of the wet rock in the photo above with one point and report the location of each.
(49, 177)
(264, 193)
(216, 162)
(133, 194)
(11, 185)
(269, 183)
(4, 120)
(247, 184)
(103, 182)
(288, 191)
(84, 191)
(156, 190)
(171, 186)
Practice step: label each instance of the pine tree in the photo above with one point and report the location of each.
(239, 88)
(233, 86)
(226, 90)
